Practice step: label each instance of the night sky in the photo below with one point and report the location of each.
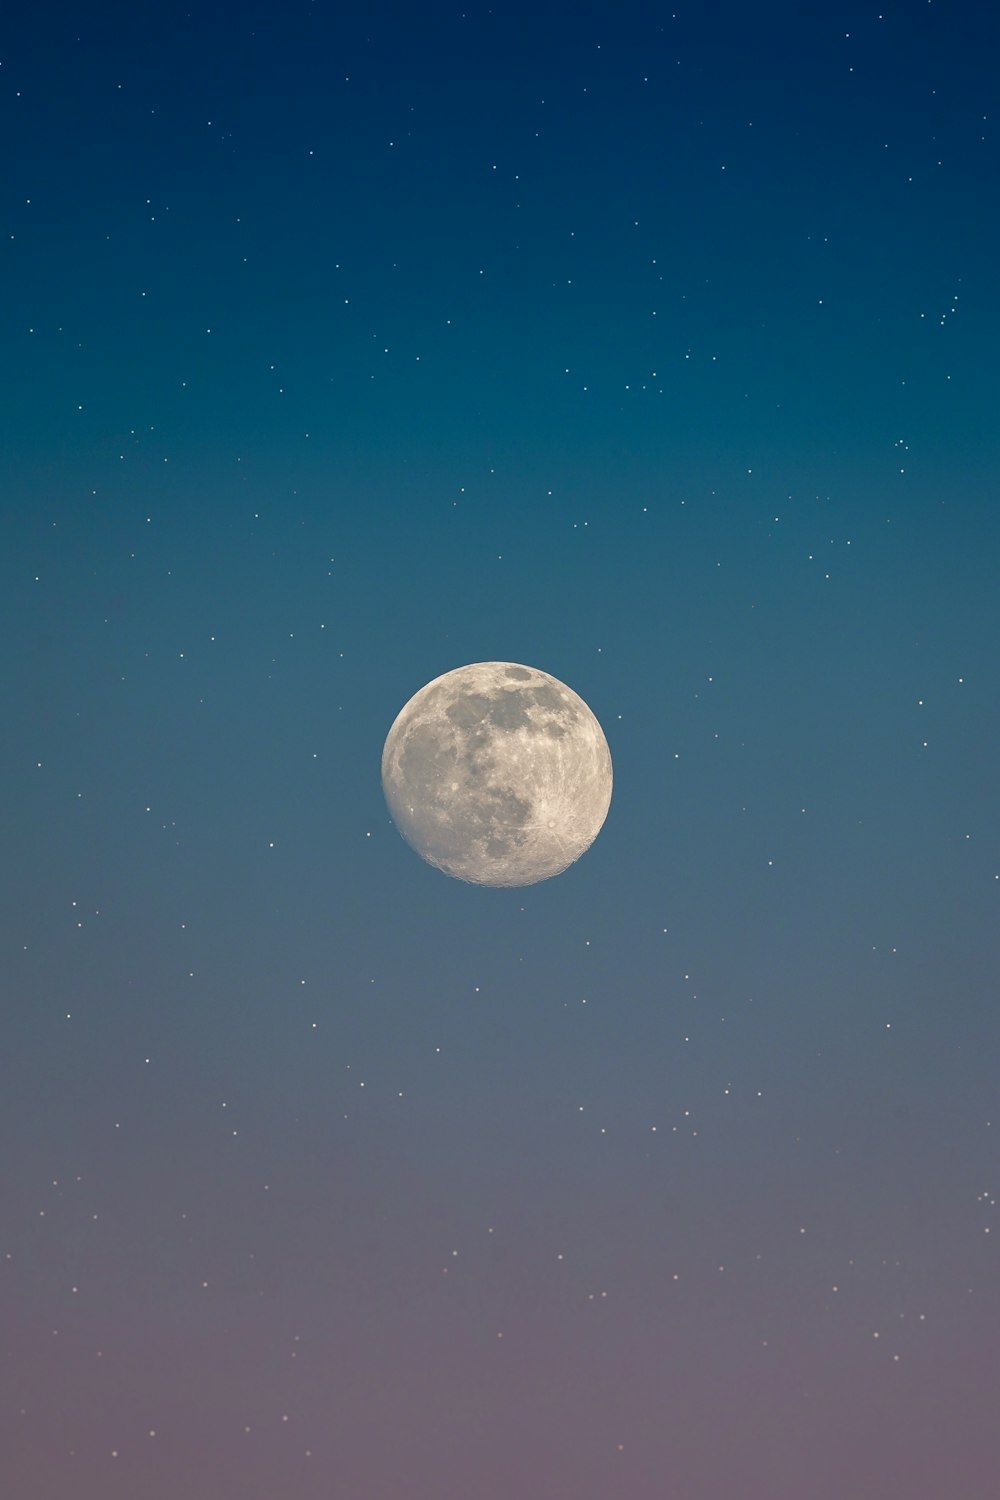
(652, 346)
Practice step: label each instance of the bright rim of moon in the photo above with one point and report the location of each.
(497, 774)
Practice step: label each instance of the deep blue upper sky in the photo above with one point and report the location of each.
(654, 347)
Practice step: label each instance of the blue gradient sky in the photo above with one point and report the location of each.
(651, 346)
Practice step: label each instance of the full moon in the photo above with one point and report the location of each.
(497, 774)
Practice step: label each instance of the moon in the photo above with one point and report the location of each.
(497, 774)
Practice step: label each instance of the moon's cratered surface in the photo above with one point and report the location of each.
(497, 774)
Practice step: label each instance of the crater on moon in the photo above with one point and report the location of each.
(498, 774)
